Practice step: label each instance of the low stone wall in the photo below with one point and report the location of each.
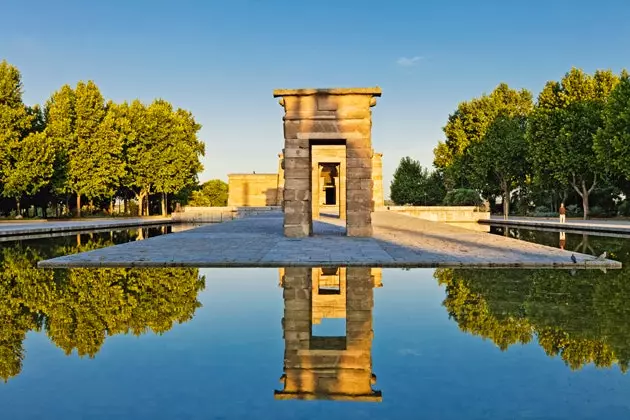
(463, 216)
(220, 214)
(258, 211)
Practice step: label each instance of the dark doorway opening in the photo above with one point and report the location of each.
(331, 196)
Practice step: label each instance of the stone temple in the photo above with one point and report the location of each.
(327, 164)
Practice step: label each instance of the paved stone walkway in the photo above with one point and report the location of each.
(398, 241)
(603, 226)
(41, 227)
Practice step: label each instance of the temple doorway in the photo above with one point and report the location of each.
(329, 188)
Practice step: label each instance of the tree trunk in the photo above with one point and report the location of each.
(111, 206)
(125, 204)
(141, 202)
(19, 209)
(164, 204)
(506, 205)
(585, 194)
(506, 200)
(78, 205)
(147, 209)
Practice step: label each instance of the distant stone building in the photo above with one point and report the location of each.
(328, 164)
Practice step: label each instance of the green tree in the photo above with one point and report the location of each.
(462, 197)
(468, 126)
(16, 122)
(141, 145)
(89, 111)
(435, 188)
(107, 164)
(414, 185)
(612, 139)
(25, 160)
(213, 193)
(161, 150)
(96, 163)
(177, 149)
(11, 88)
(27, 167)
(500, 159)
(60, 117)
(562, 127)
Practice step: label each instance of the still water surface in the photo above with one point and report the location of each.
(301, 343)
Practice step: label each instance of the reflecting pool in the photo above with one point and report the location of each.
(301, 343)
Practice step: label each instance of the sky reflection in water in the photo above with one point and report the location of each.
(255, 343)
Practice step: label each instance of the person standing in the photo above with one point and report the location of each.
(563, 213)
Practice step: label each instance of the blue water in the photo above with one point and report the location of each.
(435, 349)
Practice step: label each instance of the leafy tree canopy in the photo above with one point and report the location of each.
(470, 121)
(414, 185)
(213, 193)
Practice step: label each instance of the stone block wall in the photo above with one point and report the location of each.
(321, 117)
(377, 178)
(463, 216)
(222, 214)
(253, 190)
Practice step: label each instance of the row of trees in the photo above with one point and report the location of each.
(573, 140)
(414, 185)
(80, 146)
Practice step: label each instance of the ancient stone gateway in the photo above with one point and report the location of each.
(321, 125)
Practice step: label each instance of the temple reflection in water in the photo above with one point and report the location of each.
(328, 367)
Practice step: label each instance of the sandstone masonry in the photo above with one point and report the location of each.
(327, 117)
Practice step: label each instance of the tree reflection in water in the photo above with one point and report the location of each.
(582, 316)
(79, 308)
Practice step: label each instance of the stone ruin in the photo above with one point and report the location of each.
(328, 130)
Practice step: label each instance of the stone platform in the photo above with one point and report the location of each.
(398, 241)
(601, 226)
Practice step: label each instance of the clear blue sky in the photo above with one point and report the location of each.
(222, 59)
